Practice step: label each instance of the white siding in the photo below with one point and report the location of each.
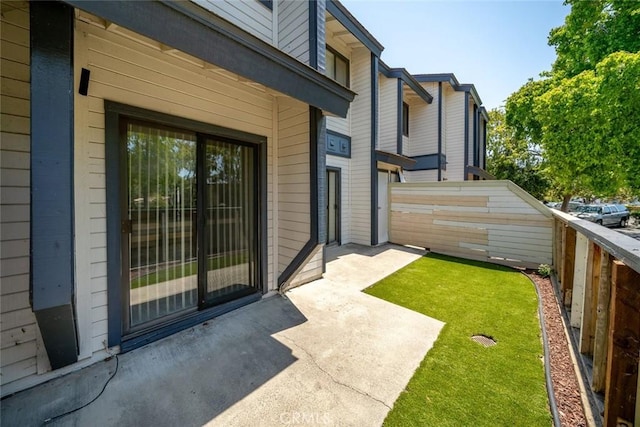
(454, 124)
(18, 324)
(293, 28)
(311, 270)
(361, 147)
(293, 183)
(339, 124)
(129, 72)
(421, 176)
(387, 114)
(345, 195)
(250, 15)
(423, 124)
(492, 221)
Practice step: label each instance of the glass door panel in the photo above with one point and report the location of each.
(230, 179)
(161, 208)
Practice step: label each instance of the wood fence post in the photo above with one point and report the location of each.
(587, 329)
(568, 266)
(624, 347)
(602, 324)
(578, 295)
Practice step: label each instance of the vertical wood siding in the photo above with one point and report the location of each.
(250, 15)
(293, 28)
(18, 324)
(345, 195)
(293, 182)
(492, 221)
(361, 147)
(454, 125)
(387, 114)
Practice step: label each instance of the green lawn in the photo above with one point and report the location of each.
(187, 269)
(460, 382)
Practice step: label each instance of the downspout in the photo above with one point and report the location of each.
(374, 140)
(484, 146)
(52, 262)
(400, 118)
(475, 135)
(466, 134)
(439, 131)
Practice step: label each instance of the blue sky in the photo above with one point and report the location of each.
(496, 45)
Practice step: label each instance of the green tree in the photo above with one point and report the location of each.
(513, 158)
(585, 113)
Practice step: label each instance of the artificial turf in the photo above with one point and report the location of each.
(460, 382)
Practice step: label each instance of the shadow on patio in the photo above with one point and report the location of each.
(325, 352)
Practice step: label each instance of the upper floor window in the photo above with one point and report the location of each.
(337, 67)
(405, 119)
(267, 3)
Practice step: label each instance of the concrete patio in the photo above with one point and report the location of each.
(322, 354)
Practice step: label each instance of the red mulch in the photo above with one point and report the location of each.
(565, 384)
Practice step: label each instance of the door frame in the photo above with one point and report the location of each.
(338, 172)
(115, 174)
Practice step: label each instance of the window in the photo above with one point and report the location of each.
(405, 119)
(337, 67)
(267, 3)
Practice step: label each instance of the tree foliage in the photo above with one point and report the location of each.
(585, 113)
(513, 158)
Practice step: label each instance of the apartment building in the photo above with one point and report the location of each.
(160, 172)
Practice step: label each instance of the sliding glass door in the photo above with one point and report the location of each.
(190, 222)
(230, 189)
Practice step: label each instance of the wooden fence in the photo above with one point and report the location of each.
(598, 271)
(494, 221)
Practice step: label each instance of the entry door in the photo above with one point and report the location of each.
(333, 206)
(383, 208)
(191, 213)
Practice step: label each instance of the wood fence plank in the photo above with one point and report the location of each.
(588, 332)
(569, 260)
(624, 346)
(602, 324)
(588, 307)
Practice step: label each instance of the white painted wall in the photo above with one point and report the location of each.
(250, 15)
(454, 125)
(387, 114)
(421, 176)
(492, 221)
(423, 123)
(293, 182)
(423, 129)
(18, 324)
(361, 147)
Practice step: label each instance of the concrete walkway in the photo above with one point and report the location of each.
(324, 354)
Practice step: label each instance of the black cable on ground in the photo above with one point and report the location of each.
(553, 406)
(57, 417)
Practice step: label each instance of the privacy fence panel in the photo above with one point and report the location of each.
(494, 221)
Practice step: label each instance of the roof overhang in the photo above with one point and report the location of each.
(395, 159)
(406, 77)
(338, 11)
(484, 113)
(193, 30)
(453, 81)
